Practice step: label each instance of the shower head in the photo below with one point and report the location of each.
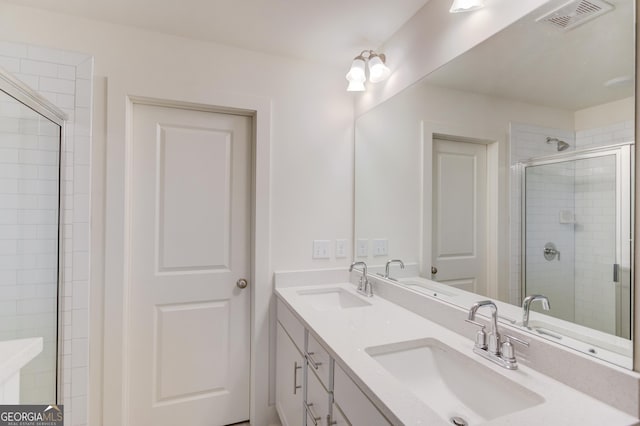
(560, 145)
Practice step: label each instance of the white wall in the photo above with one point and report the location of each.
(311, 123)
(433, 37)
(311, 120)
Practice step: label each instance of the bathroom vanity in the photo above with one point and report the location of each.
(344, 358)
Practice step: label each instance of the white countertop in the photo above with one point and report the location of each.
(346, 333)
(15, 354)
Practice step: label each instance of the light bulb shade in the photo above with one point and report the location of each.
(357, 71)
(355, 86)
(378, 71)
(466, 5)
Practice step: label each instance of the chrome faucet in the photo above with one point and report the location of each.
(389, 262)
(364, 286)
(496, 350)
(526, 306)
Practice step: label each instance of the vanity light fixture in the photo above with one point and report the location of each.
(466, 5)
(357, 74)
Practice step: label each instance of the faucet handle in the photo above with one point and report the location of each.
(506, 349)
(511, 338)
(481, 336)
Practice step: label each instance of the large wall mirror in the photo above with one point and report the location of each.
(508, 173)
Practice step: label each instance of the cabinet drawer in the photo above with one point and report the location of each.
(355, 405)
(317, 401)
(292, 325)
(319, 360)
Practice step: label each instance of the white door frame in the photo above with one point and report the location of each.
(121, 97)
(497, 204)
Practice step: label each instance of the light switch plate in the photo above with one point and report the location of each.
(363, 248)
(321, 249)
(381, 247)
(341, 249)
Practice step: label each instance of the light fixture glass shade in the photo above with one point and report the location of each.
(355, 86)
(466, 5)
(357, 71)
(378, 71)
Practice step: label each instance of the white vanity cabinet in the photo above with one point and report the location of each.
(289, 380)
(316, 401)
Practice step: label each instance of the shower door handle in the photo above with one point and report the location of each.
(616, 272)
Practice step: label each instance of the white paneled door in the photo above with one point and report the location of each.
(459, 214)
(187, 352)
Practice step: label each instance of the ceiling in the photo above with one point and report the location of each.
(327, 31)
(536, 63)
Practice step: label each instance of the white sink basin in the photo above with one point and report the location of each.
(332, 298)
(451, 384)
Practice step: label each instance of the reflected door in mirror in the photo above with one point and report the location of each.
(459, 214)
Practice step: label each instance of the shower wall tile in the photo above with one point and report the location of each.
(64, 78)
(593, 209)
(608, 135)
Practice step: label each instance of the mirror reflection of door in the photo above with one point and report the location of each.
(459, 205)
(576, 204)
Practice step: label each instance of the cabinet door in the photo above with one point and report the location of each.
(338, 417)
(289, 364)
(355, 405)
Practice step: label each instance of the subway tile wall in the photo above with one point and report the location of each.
(593, 207)
(29, 152)
(526, 142)
(65, 79)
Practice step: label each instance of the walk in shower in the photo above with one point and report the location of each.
(576, 238)
(31, 135)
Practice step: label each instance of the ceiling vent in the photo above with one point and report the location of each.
(575, 13)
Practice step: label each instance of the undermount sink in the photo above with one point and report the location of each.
(451, 384)
(332, 298)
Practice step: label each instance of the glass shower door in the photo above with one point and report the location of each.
(29, 244)
(577, 238)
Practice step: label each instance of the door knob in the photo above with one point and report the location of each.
(242, 283)
(434, 270)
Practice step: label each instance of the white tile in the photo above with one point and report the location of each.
(83, 93)
(80, 324)
(16, 50)
(39, 68)
(57, 85)
(54, 55)
(11, 65)
(80, 295)
(66, 72)
(32, 81)
(84, 70)
(80, 265)
(79, 354)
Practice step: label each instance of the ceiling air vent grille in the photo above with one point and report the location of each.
(575, 13)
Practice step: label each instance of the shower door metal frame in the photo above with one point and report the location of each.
(624, 157)
(22, 93)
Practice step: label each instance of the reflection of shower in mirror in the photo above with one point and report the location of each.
(561, 145)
